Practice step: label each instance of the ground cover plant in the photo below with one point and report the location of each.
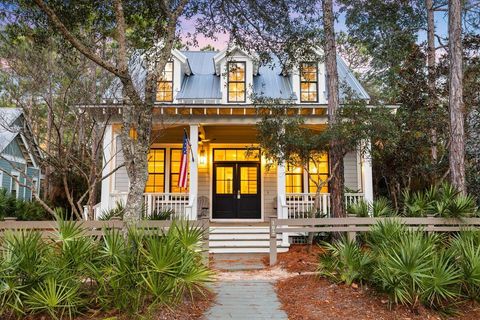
(69, 273)
(413, 268)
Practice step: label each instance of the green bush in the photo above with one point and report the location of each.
(411, 267)
(444, 201)
(344, 261)
(380, 207)
(70, 272)
(22, 210)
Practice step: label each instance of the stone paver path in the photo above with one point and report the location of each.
(245, 292)
(246, 299)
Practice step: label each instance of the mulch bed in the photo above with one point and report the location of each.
(311, 297)
(299, 258)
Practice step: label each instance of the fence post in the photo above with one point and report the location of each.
(205, 240)
(273, 240)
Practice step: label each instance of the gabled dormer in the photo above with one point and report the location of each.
(236, 69)
(308, 79)
(171, 79)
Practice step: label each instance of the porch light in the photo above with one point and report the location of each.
(203, 157)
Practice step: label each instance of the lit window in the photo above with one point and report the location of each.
(236, 155)
(156, 171)
(308, 82)
(293, 179)
(236, 82)
(175, 159)
(165, 84)
(318, 169)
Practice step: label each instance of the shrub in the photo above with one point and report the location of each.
(22, 210)
(466, 250)
(380, 207)
(70, 272)
(116, 212)
(163, 214)
(344, 261)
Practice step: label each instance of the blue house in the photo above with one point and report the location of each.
(19, 155)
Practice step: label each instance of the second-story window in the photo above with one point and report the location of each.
(165, 84)
(308, 82)
(236, 82)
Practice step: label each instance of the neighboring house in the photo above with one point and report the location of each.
(19, 166)
(208, 94)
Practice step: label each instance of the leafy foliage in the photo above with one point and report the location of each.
(70, 272)
(10, 206)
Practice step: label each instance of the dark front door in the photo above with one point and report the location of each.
(236, 191)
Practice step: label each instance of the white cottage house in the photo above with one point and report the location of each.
(208, 94)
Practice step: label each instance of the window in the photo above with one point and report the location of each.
(293, 179)
(175, 158)
(156, 171)
(236, 82)
(165, 85)
(308, 82)
(318, 170)
(236, 155)
(15, 186)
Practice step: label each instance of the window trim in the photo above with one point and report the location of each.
(164, 169)
(173, 80)
(236, 81)
(170, 174)
(300, 81)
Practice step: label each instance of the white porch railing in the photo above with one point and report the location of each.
(299, 205)
(156, 202)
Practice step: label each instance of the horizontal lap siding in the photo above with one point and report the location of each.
(351, 171)
(269, 191)
(121, 177)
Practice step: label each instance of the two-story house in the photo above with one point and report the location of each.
(208, 94)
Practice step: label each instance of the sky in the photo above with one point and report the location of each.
(188, 26)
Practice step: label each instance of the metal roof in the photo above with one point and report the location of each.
(203, 83)
(8, 129)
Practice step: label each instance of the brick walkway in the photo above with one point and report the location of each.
(243, 299)
(242, 295)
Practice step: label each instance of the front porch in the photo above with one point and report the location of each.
(226, 182)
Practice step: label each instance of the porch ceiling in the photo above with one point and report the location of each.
(214, 133)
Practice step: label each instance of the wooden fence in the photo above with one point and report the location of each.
(352, 225)
(97, 228)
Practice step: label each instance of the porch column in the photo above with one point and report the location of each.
(193, 171)
(281, 194)
(367, 174)
(108, 144)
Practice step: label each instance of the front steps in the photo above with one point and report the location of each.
(242, 239)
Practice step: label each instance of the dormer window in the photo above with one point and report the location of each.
(236, 82)
(308, 82)
(165, 84)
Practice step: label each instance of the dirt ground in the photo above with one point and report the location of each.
(309, 297)
(298, 259)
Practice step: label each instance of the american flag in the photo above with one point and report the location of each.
(182, 179)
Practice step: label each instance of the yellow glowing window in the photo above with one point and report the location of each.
(293, 179)
(175, 159)
(248, 180)
(165, 84)
(236, 82)
(224, 180)
(156, 171)
(236, 155)
(318, 169)
(308, 82)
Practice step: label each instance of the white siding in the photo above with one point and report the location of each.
(351, 171)
(121, 177)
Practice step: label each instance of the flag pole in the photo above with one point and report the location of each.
(189, 144)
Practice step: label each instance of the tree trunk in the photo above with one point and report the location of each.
(335, 154)
(432, 101)
(455, 103)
